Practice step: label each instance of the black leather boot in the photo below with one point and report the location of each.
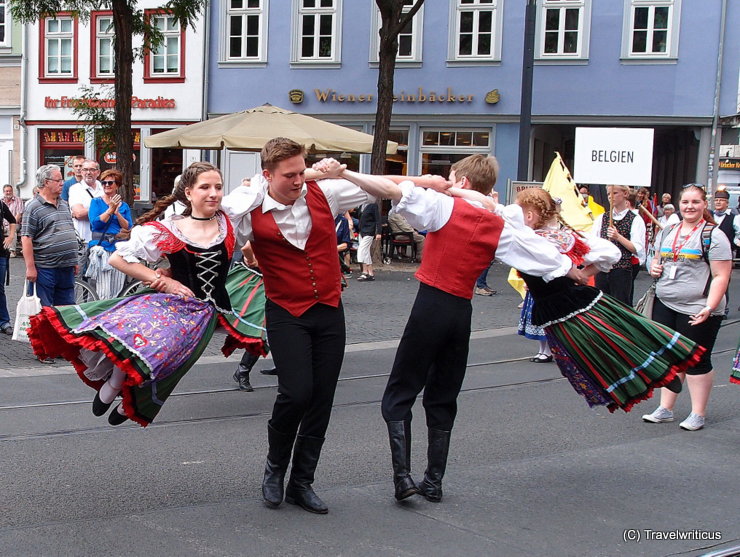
(241, 375)
(278, 457)
(305, 458)
(399, 434)
(439, 447)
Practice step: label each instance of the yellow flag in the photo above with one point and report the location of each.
(516, 282)
(560, 184)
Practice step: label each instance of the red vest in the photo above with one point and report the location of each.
(456, 254)
(296, 279)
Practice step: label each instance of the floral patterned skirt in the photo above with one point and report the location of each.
(154, 338)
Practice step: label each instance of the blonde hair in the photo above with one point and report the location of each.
(480, 170)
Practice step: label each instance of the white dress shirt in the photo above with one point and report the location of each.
(518, 246)
(82, 194)
(294, 221)
(638, 232)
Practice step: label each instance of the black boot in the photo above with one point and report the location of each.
(439, 446)
(399, 434)
(305, 458)
(278, 457)
(241, 375)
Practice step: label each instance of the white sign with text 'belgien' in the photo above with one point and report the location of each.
(621, 156)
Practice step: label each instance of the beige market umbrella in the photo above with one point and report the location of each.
(249, 130)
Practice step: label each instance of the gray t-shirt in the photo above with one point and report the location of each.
(682, 289)
(52, 232)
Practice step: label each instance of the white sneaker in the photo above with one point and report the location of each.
(692, 423)
(660, 415)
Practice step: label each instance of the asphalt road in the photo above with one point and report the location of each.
(532, 470)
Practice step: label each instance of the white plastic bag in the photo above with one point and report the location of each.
(27, 306)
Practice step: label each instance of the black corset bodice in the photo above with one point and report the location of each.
(558, 298)
(204, 271)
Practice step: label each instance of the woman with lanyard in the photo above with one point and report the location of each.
(692, 265)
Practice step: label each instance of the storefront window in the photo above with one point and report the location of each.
(59, 146)
(166, 165)
(398, 163)
(442, 148)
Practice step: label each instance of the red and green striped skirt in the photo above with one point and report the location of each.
(614, 356)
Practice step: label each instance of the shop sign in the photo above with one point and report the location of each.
(136, 102)
(63, 136)
(420, 96)
(729, 164)
(620, 156)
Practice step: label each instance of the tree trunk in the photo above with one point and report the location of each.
(388, 49)
(124, 57)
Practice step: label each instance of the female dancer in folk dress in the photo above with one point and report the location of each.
(143, 345)
(610, 354)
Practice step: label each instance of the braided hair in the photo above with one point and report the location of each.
(542, 203)
(187, 180)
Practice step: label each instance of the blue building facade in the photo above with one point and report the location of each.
(623, 63)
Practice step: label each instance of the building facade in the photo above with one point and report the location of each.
(10, 96)
(626, 63)
(69, 64)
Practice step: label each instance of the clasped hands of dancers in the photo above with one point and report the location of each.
(611, 355)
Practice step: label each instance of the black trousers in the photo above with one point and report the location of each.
(432, 355)
(308, 353)
(618, 283)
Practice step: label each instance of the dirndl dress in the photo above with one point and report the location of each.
(735, 374)
(155, 338)
(610, 354)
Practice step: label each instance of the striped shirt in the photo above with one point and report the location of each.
(52, 232)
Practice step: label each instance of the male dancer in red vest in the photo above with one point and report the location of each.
(290, 223)
(462, 239)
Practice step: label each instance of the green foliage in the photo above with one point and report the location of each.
(95, 110)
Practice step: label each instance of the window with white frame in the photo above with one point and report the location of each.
(246, 25)
(441, 148)
(476, 30)
(166, 60)
(563, 29)
(409, 39)
(104, 59)
(318, 28)
(4, 23)
(651, 29)
(58, 43)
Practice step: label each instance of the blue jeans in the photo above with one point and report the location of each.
(56, 286)
(4, 315)
(482, 281)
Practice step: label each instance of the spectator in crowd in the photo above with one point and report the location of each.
(49, 241)
(693, 265)
(80, 196)
(665, 199)
(723, 215)
(589, 202)
(76, 178)
(370, 228)
(627, 232)
(109, 215)
(669, 216)
(5, 242)
(15, 204)
(398, 223)
(344, 241)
